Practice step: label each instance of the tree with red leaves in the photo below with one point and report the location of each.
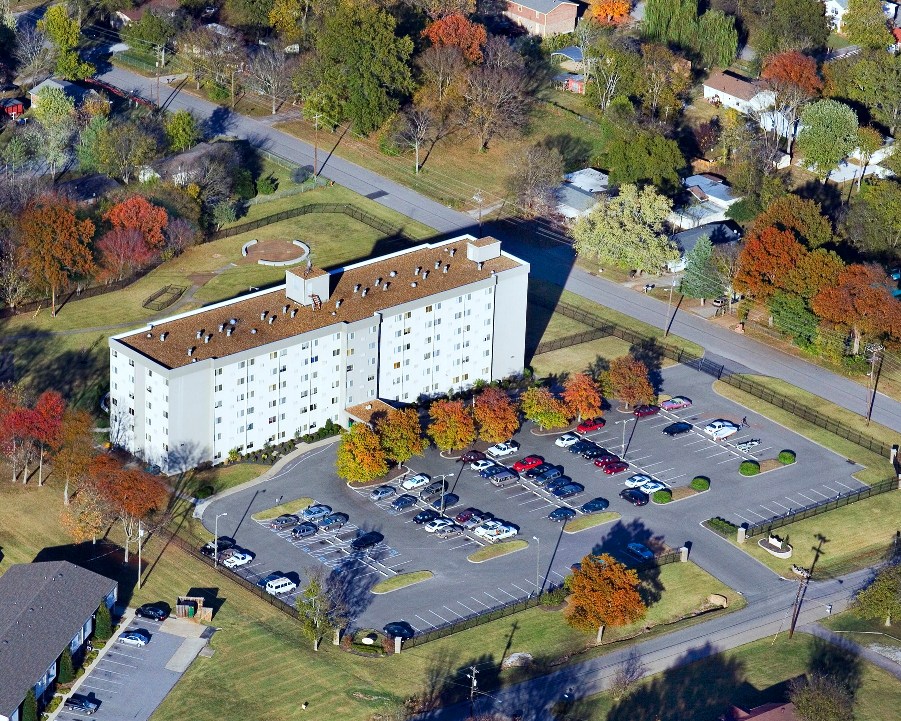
(48, 421)
(629, 381)
(793, 77)
(582, 395)
(452, 425)
(766, 260)
(459, 32)
(605, 592)
(861, 300)
(495, 414)
(802, 217)
(122, 251)
(138, 213)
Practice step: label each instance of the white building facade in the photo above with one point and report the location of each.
(284, 361)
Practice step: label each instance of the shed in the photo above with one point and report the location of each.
(12, 106)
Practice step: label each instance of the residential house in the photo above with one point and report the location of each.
(734, 91)
(766, 712)
(837, 9)
(165, 8)
(578, 194)
(544, 17)
(719, 233)
(569, 58)
(710, 198)
(75, 92)
(571, 82)
(12, 107)
(180, 169)
(44, 609)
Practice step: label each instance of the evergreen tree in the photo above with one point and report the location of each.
(30, 707)
(103, 623)
(66, 672)
(701, 279)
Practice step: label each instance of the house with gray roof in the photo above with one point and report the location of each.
(719, 233)
(73, 91)
(44, 608)
(709, 199)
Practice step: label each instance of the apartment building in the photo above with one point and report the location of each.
(261, 368)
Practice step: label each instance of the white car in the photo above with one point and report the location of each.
(438, 524)
(652, 487)
(417, 481)
(503, 449)
(567, 440)
(638, 480)
(239, 558)
(137, 638)
(720, 429)
(481, 465)
(495, 531)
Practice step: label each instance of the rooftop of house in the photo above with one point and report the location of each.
(365, 412)
(706, 187)
(76, 92)
(573, 201)
(734, 85)
(356, 292)
(542, 6)
(160, 6)
(766, 712)
(42, 608)
(572, 52)
(717, 232)
(589, 179)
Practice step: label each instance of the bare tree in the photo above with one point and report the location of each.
(496, 98)
(628, 672)
(442, 67)
(587, 34)
(33, 52)
(15, 284)
(320, 607)
(270, 75)
(537, 171)
(415, 130)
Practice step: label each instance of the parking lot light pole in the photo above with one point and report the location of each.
(622, 453)
(537, 566)
(444, 492)
(216, 538)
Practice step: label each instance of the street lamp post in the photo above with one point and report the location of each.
(479, 199)
(622, 453)
(443, 492)
(537, 565)
(216, 538)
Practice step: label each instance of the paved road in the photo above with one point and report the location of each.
(554, 264)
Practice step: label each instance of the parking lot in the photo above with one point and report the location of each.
(460, 588)
(130, 682)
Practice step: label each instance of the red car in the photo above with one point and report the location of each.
(605, 460)
(615, 467)
(591, 424)
(527, 463)
(642, 411)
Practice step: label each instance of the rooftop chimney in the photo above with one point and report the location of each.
(480, 265)
(271, 319)
(446, 268)
(425, 274)
(234, 321)
(385, 286)
(221, 327)
(229, 332)
(293, 312)
(418, 270)
(191, 351)
(163, 336)
(452, 251)
(378, 281)
(365, 291)
(207, 338)
(150, 335)
(285, 308)
(253, 331)
(199, 333)
(413, 284)
(437, 264)
(338, 303)
(357, 288)
(263, 315)
(392, 273)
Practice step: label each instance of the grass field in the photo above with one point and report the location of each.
(401, 580)
(747, 676)
(584, 522)
(496, 550)
(868, 632)
(222, 478)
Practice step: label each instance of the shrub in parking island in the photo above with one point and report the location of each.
(495, 415)
(664, 495)
(582, 396)
(749, 468)
(452, 425)
(722, 527)
(543, 408)
(400, 434)
(700, 483)
(786, 457)
(360, 457)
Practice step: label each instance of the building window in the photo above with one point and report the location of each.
(428, 309)
(396, 365)
(272, 419)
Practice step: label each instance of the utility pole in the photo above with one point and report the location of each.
(669, 307)
(874, 349)
(472, 689)
(316, 144)
(140, 538)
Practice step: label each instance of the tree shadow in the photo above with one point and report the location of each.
(575, 152)
(103, 557)
(829, 196)
(650, 353)
(351, 589)
(220, 122)
(840, 661)
(210, 596)
(616, 541)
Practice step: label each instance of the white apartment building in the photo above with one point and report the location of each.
(268, 365)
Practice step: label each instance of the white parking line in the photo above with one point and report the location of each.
(466, 607)
(795, 504)
(427, 623)
(728, 460)
(480, 602)
(438, 615)
(507, 592)
(454, 612)
(516, 585)
(812, 500)
(776, 503)
(830, 489)
(814, 490)
(491, 597)
(756, 514)
(746, 520)
(850, 488)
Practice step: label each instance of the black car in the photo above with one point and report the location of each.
(634, 496)
(154, 611)
(558, 483)
(678, 428)
(537, 470)
(80, 702)
(581, 446)
(307, 528)
(402, 502)
(399, 628)
(595, 452)
(569, 490)
(449, 499)
(223, 543)
(366, 540)
(492, 471)
(472, 457)
(425, 516)
(547, 476)
(561, 515)
(595, 505)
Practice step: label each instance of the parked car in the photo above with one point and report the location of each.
(280, 585)
(305, 529)
(286, 520)
(562, 514)
(495, 531)
(482, 464)
(400, 629)
(447, 501)
(502, 450)
(425, 516)
(84, 704)
(638, 480)
(223, 543)
(582, 446)
(476, 519)
(435, 488)
(240, 558)
(545, 477)
(492, 470)
(677, 428)
(646, 410)
(471, 456)
(596, 452)
(138, 638)
(675, 403)
(640, 551)
(747, 445)
(652, 487)
(602, 461)
(334, 521)
(449, 531)
(366, 540)
(537, 470)
(634, 496)
(595, 505)
(557, 483)
(591, 424)
(382, 492)
(414, 482)
(569, 490)
(158, 611)
(616, 467)
(466, 514)
(402, 502)
(720, 429)
(566, 440)
(316, 512)
(503, 478)
(527, 463)
(437, 524)
(270, 577)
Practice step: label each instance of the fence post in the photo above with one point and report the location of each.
(683, 554)
(742, 534)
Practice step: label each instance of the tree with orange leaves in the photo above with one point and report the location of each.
(452, 426)
(400, 434)
(814, 271)
(459, 32)
(138, 213)
(610, 12)
(802, 217)
(604, 592)
(582, 395)
(793, 77)
(132, 495)
(54, 248)
(48, 415)
(542, 407)
(495, 415)
(360, 456)
(629, 381)
(75, 450)
(767, 257)
(861, 300)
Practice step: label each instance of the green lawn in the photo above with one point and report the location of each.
(579, 358)
(496, 550)
(747, 676)
(586, 521)
(868, 632)
(401, 580)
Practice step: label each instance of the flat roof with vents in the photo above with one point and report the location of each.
(353, 294)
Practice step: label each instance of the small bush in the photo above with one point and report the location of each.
(664, 495)
(217, 93)
(786, 457)
(722, 526)
(700, 483)
(103, 624)
(267, 185)
(243, 185)
(302, 174)
(53, 705)
(388, 147)
(204, 492)
(554, 598)
(749, 468)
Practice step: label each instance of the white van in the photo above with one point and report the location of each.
(280, 585)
